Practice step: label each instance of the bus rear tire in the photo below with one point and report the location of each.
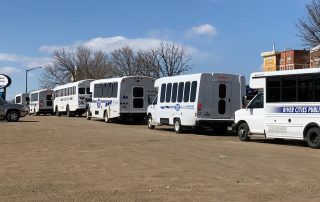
(106, 118)
(150, 126)
(57, 111)
(177, 126)
(313, 137)
(69, 114)
(243, 132)
(88, 115)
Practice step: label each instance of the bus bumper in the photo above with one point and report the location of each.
(222, 122)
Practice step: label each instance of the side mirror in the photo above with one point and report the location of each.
(245, 101)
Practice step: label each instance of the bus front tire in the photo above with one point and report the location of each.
(177, 126)
(243, 132)
(150, 126)
(313, 137)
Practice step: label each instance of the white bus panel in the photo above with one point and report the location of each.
(121, 97)
(41, 102)
(288, 108)
(72, 98)
(204, 99)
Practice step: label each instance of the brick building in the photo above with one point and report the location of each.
(286, 60)
(315, 57)
(271, 60)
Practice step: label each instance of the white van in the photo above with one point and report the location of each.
(288, 108)
(124, 97)
(204, 99)
(23, 99)
(41, 102)
(72, 98)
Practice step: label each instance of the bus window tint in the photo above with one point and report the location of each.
(115, 90)
(317, 88)
(193, 91)
(168, 93)
(88, 91)
(82, 90)
(163, 92)
(174, 92)
(273, 89)
(18, 99)
(288, 89)
(105, 90)
(180, 91)
(222, 91)
(186, 92)
(137, 92)
(305, 88)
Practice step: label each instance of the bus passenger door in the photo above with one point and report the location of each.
(255, 114)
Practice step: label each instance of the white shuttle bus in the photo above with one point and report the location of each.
(23, 99)
(125, 97)
(204, 99)
(41, 102)
(288, 108)
(72, 98)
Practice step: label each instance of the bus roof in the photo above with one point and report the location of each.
(72, 84)
(285, 72)
(257, 79)
(118, 79)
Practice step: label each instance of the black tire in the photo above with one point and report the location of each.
(106, 118)
(69, 114)
(149, 121)
(243, 132)
(177, 126)
(57, 111)
(13, 116)
(88, 115)
(313, 137)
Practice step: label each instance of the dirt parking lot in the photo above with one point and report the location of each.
(49, 158)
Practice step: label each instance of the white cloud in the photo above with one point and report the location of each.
(109, 44)
(9, 70)
(25, 60)
(205, 29)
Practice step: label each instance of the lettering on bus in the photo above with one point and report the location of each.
(298, 109)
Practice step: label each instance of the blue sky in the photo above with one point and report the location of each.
(221, 35)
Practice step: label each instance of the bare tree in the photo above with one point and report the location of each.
(123, 62)
(147, 63)
(309, 27)
(83, 63)
(172, 58)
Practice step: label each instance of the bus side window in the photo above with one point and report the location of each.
(257, 102)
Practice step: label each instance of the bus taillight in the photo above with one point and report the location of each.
(199, 107)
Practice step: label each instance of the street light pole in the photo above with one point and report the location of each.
(28, 70)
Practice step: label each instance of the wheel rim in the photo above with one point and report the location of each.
(242, 132)
(177, 126)
(149, 122)
(314, 138)
(13, 116)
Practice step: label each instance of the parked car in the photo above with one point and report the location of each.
(12, 112)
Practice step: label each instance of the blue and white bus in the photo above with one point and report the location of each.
(288, 108)
(125, 97)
